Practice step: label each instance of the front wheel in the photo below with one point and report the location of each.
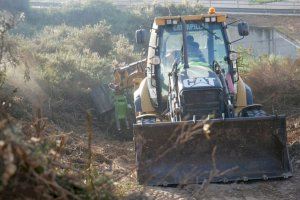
(252, 111)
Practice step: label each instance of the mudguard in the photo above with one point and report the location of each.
(218, 150)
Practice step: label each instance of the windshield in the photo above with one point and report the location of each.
(205, 44)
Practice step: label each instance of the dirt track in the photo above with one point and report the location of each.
(121, 155)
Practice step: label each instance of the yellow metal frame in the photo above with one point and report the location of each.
(241, 101)
(160, 21)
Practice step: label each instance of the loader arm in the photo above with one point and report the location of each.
(130, 75)
(116, 95)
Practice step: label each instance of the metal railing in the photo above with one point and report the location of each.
(246, 6)
(243, 6)
(45, 4)
(289, 4)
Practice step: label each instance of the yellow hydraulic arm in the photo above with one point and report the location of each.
(131, 75)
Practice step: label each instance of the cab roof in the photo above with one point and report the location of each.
(217, 17)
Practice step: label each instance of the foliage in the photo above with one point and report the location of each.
(121, 21)
(34, 163)
(264, 1)
(274, 80)
(67, 53)
(14, 6)
(276, 83)
(8, 46)
(123, 51)
(74, 49)
(245, 60)
(72, 60)
(90, 50)
(174, 9)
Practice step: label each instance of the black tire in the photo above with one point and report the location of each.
(256, 113)
(253, 111)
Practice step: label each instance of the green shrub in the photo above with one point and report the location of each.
(64, 51)
(264, 1)
(123, 51)
(276, 83)
(15, 5)
(123, 22)
(70, 61)
(76, 48)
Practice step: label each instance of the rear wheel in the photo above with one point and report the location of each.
(148, 119)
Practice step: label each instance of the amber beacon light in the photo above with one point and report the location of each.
(211, 10)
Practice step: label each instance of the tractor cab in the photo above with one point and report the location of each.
(195, 44)
(206, 43)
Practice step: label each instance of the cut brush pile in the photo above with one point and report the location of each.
(34, 164)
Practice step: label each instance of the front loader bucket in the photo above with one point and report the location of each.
(218, 150)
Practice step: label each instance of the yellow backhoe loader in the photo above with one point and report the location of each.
(195, 116)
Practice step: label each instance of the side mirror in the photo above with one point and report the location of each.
(243, 29)
(140, 36)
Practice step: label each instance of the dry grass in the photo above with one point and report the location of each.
(39, 161)
(276, 84)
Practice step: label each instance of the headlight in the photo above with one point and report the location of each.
(213, 19)
(207, 19)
